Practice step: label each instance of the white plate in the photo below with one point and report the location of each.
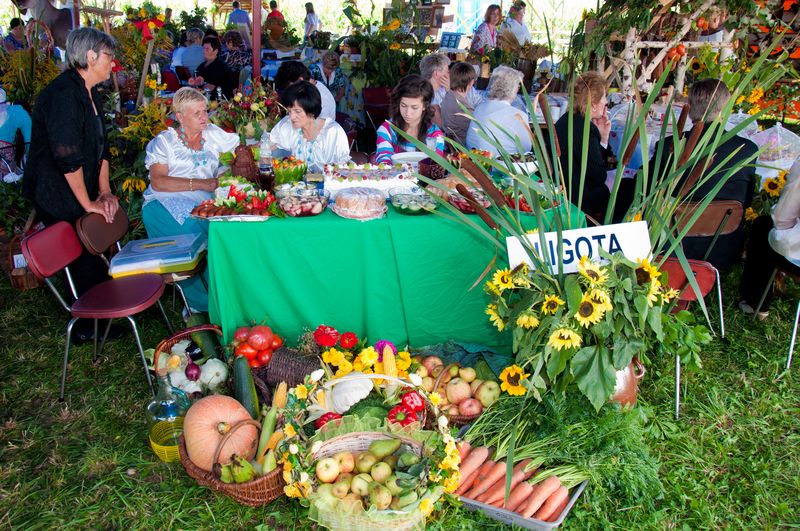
(409, 157)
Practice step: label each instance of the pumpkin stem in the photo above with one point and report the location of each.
(223, 428)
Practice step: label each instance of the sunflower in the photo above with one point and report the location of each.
(564, 338)
(502, 279)
(773, 186)
(670, 294)
(645, 272)
(750, 214)
(653, 291)
(588, 312)
(527, 320)
(601, 299)
(551, 304)
(494, 317)
(696, 66)
(511, 379)
(594, 274)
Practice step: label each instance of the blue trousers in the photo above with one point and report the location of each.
(159, 223)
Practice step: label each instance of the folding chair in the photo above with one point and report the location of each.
(719, 218)
(796, 315)
(706, 276)
(52, 249)
(183, 74)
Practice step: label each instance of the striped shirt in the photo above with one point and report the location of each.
(390, 143)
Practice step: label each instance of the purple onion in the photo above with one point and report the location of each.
(192, 371)
(380, 345)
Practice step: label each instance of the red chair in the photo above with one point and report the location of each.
(53, 249)
(706, 276)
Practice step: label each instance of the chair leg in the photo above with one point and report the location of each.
(94, 337)
(764, 295)
(70, 324)
(719, 301)
(103, 341)
(166, 319)
(677, 386)
(183, 297)
(141, 353)
(794, 337)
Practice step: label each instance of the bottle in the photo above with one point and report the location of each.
(265, 163)
(165, 415)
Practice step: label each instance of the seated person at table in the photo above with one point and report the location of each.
(304, 133)
(236, 56)
(774, 241)
(213, 73)
(707, 99)
(590, 97)
(190, 54)
(411, 111)
(507, 125)
(454, 118)
(183, 162)
(293, 72)
(328, 73)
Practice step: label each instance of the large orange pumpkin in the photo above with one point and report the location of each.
(207, 422)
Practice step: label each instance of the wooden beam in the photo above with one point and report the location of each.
(256, 45)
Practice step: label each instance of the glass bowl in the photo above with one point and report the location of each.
(413, 203)
(304, 202)
(461, 203)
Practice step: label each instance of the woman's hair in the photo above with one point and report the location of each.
(194, 35)
(707, 99)
(233, 37)
(213, 42)
(589, 89)
(330, 60)
(461, 74)
(185, 97)
(305, 95)
(516, 7)
(504, 83)
(413, 86)
(433, 63)
(309, 7)
(289, 72)
(81, 40)
(211, 32)
(487, 17)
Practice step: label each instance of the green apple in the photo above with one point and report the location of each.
(346, 461)
(327, 470)
(453, 371)
(467, 374)
(391, 484)
(325, 491)
(341, 488)
(380, 471)
(347, 476)
(364, 461)
(422, 371)
(379, 496)
(359, 485)
(488, 393)
(391, 460)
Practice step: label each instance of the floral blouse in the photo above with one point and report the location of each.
(336, 81)
(485, 38)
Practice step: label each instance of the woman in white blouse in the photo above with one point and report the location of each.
(317, 141)
(485, 37)
(183, 162)
(312, 22)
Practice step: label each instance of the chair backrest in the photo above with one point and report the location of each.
(704, 273)
(183, 73)
(51, 249)
(726, 214)
(97, 235)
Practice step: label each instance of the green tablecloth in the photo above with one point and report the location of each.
(402, 278)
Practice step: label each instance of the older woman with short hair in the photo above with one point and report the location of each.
(505, 124)
(328, 73)
(183, 162)
(235, 57)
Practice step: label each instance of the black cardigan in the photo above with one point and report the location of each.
(66, 135)
(217, 73)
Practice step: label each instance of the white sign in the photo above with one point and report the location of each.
(631, 239)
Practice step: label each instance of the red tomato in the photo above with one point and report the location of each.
(680, 49)
(253, 363)
(277, 342)
(260, 337)
(246, 350)
(264, 356)
(241, 334)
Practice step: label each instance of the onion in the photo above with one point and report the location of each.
(193, 371)
(241, 334)
(260, 337)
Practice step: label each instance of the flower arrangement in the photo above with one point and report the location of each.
(148, 20)
(353, 354)
(766, 197)
(251, 112)
(585, 331)
(152, 87)
(25, 73)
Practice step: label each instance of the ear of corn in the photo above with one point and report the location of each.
(279, 400)
(389, 364)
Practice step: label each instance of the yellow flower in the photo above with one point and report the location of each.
(451, 483)
(332, 356)
(750, 214)
(740, 100)
(393, 25)
(551, 304)
(301, 392)
(368, 356)
(161, 17)
(601, 299)
(645, 272)
(637, 217)
(394, 46)
(114, 151)
(291, 491)
(652, 291)
(527, 320)
(304, 489)
(755, 109)
(142, 13)
(358, 365)
(426, 506)
(773, 186)
(588, 312)
(287, 478)
(133, 184)
(151, 25)
(289, 431)
(494, 317)
(492, 288)
(755, 95)
(345, 368)
(287, 466)
(670, 294)
(593, 273)
(511, 380)
(696, 66)
(435, 398)
(502, 279)
(564, 338)
(403, 361)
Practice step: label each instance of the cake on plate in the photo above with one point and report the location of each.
(360, 203)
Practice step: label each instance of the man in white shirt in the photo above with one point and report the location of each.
(239, 16)
(293, 71)
(515, 24)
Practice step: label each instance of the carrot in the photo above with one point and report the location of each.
(463, 489)
(518, 496)
(541, 491)
(519, 474)
(491, 477)
(475, 458)
(463, 450)
(559, 510)
(549, 507)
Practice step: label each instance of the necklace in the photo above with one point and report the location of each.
(199, 157)
(305, 148)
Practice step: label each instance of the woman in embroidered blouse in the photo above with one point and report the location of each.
(411, 111)
(327, 72)
(183, 162)
(485, 37)
(317, 141)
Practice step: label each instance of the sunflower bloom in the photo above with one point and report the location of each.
(551, 304)
(696, 66)
(502, 279)
(670, 294)
(394, 46)
(494, 317)
(588, 312)
(393, 25)
(653, 291)
(527, 320)
(594, 274)
(564, 338)
(511, 380)
(646, 272)
(750, 214)
(773, 186)
(601, 300)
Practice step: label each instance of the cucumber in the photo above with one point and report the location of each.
(207, 341)
(244, 387)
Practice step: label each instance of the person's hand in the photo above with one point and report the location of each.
(604, 125)
(100, 207)
(110, 204)
(209, 185)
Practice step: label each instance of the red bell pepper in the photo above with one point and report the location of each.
(413, 401)
(402, 415)
(324, 419)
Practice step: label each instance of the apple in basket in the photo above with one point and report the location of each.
(346, 462)
(364, 461)
(327, 470)
(360, 484)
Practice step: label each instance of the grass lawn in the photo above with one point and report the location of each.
(732, 461)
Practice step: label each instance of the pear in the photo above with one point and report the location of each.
(384, 447)
(408, 498)
(379, 496)
(407, 459)
(391, 460)
(391, 484)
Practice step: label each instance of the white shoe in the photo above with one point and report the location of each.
(746, 308)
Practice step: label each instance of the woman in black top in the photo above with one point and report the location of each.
(213, 73)
(67, 174)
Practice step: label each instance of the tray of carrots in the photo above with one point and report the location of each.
(537, 500)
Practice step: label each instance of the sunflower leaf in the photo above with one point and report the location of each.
(641, 308)
(573, 292)
(654, 320)
(557, 362)
(594, 374)
(624, 350)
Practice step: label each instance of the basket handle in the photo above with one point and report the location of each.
(638, 368)
(441, 375)
(246, 422)
(169, 342)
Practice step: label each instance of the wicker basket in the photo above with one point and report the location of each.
(22, 278)
(455, 420)
(255, 493)
(287, 366)
(363, 376)
(166, 345)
